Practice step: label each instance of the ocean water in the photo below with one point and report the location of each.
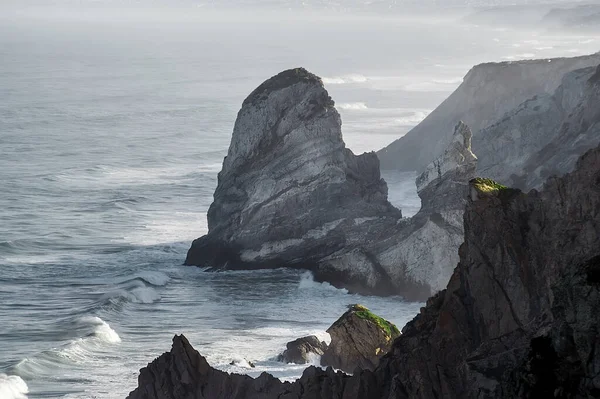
(113, 127)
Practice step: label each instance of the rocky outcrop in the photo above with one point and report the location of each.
(290, 194)
(426, 247)
(300, 351)
(488, 92)
(358, 339)
(543, 136)
(520, 317)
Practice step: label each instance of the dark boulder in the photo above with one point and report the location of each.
(299, 350)
(358, 339)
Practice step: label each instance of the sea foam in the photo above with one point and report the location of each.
(12, 387)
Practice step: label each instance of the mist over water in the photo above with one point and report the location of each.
(113, 126)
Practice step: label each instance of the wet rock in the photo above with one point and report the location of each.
(358, 339)
(300, 350)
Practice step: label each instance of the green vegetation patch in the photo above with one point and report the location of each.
(389, 328)
(487, 185)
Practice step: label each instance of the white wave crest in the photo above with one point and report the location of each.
(100, 329)
(345, 79)
(12, 387)
(159, 279)
(353, 106)
(307, 282)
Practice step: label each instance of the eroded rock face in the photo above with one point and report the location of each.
(426, 247)
(544, 136)
(291, 195)
(520, 317)
(301, 350)
(488, 92)
(358, 339)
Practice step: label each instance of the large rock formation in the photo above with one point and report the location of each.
(520, 317)
(488, 92)
(543, 136)
(291, 195)
(358, 339)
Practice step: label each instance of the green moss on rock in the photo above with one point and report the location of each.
(389, 328)
(487, 185)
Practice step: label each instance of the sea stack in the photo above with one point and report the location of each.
(291, 194)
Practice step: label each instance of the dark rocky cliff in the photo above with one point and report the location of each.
(520, 317)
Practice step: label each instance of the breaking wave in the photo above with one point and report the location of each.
(94, 336)
(12, 387)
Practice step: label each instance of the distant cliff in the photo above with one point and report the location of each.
(291, 194)
(520, 317)
(545, 135)
(488, 92)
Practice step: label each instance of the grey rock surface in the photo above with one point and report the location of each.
(290, 194)
(488, 92)
(543, 136)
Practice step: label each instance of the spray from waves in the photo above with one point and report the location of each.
(345, 79)
(95, 336)
(307, 282)
(353, 106)
(12, 387)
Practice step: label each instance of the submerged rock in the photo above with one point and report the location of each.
(358, 339)
(290, 194)
(520, 317)
(299, 351)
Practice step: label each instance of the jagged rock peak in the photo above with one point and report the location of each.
(282, 80)
(456, 155)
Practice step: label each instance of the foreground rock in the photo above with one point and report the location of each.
(290, 194)
(519, 318)
(488, 92)
(358, 339)
(302, 350)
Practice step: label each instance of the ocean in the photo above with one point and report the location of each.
(113, 127)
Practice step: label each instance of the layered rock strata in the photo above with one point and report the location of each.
(545, 135)
(487, 93)
(520, 317)
(290, 194)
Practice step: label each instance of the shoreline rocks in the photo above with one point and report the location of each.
(300, 351)
(358, 339)
(520, 317)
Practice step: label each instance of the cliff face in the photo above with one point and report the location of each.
(291, 195)
(519, 318)
(543, 136)
(488, 91)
